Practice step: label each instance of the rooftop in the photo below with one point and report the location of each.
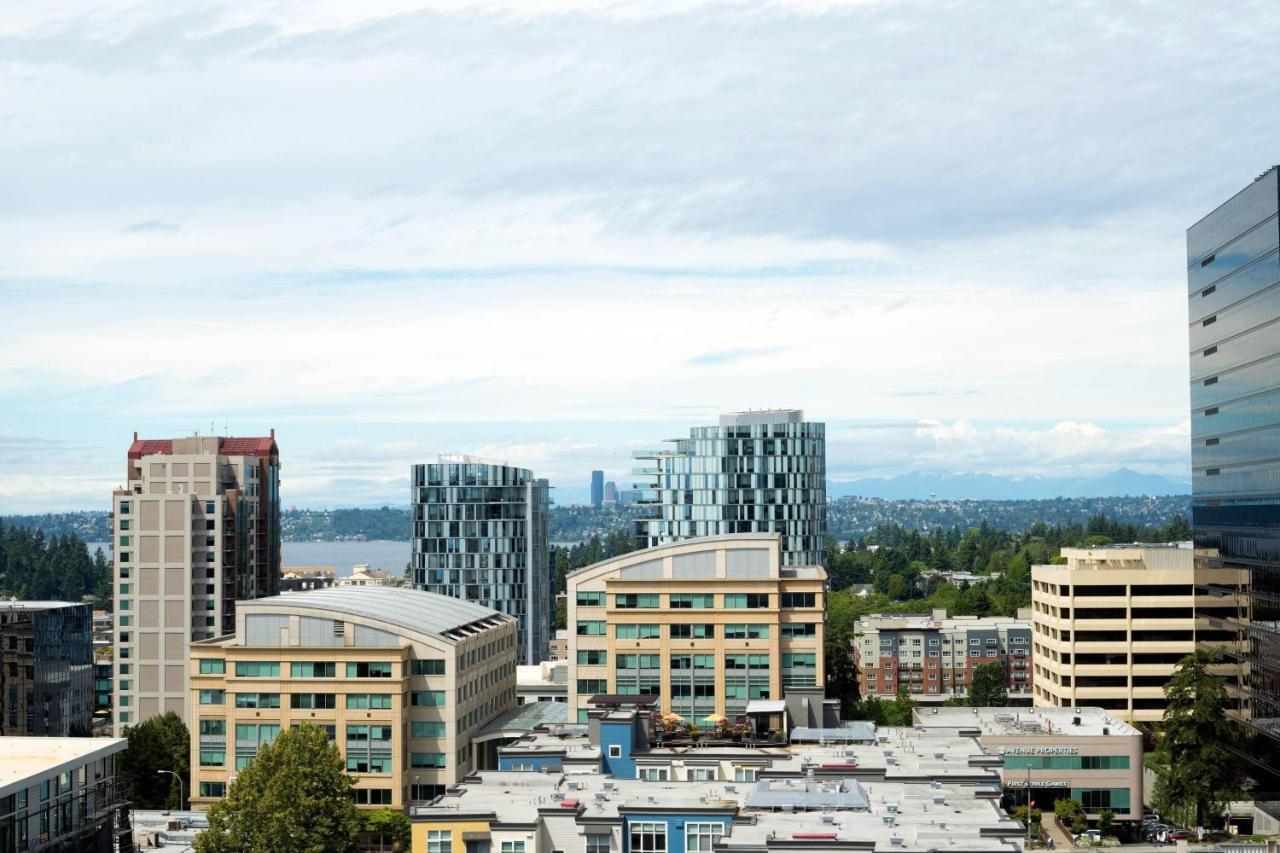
(11, 604)
(227, 446)
(523, 719)
(1014, 722)
(411, 609)
(27, 760)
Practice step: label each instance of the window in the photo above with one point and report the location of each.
(590, 599)
(1212, 410)
(426, 759)
(598, 843)
(212, 697)
(1212, 380)
(593, 657)
(427, 698)
(213, 789)
(702, 774)
(312, 669)
(426, 729)
(257, 700)
(368, 701)
(633, 600)
(213, 757)
(638, 632)
(593, 685)
(749, 600)
(799, 599)
(439, 841)
(693, 632)
(315, 701)
(653, 774)
(374, 797)
(648, 837)
(693, 601)
(744, 774)
(257, 669)
(213, 667)
(427, 667)
(701, 837)
(746, 631)
(615, 750)
(590, 629)
(365, 669)
(810, 629)
(1209, 321)
(512, 847)
(1210, 351)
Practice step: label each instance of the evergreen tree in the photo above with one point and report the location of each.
(989, 688)
(160, 743)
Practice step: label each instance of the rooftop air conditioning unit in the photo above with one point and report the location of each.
(828, 818)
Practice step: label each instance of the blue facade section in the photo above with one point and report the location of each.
(675, 827)
(622, 735)
(537, 762)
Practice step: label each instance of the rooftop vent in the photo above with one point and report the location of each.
(828, 818)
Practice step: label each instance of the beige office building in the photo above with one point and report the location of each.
(708, 625)
(197, 528)
(400, 679)
(1111, 625)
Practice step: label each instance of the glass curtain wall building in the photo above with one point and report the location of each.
(480, 534)
(754, 472)
(46, 669)
(1233, 277)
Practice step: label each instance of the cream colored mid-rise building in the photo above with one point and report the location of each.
(707, 625)
(1110, 626)
(196, 528)
(400, 679)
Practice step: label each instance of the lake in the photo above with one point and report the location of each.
(382, 554)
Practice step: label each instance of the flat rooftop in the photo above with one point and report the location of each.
(27, 760)
(1015, 722)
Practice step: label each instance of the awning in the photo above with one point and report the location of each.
(475, 836)
(766, 706)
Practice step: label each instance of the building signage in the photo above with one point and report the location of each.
(1037, 783)
(1038, 750)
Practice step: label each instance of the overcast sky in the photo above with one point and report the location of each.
(559, 231)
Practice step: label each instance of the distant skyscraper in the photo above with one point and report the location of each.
(1233, 279)
(46, 669)
(755, 472)
(597, 488)
(480, 533)
(196, 528)
(611, 493)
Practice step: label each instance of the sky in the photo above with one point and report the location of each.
(557, 231)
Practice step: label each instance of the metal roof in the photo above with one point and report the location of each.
(807, 794)
(411, 609)
(527, 717)
(852, 732)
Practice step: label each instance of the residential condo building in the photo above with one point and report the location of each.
(400, 679)
(934, 657)
(1111, 625)
(1233, 291)
(59, 794)
(46, 669)
(707, 626)
(197, 528)
(754, 472)
(480, 534)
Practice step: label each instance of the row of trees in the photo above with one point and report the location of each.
(36, 567)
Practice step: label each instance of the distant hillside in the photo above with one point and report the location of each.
(922, 485)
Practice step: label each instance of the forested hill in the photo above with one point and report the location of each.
(847, 518)
(37, 567)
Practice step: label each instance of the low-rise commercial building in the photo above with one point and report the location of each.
(400, 679)
(934, 657)
(60, 794)
(543, 682)
(46, 669)
(706, 625)
(1110, 625)
(303, 578)
(1047, 754)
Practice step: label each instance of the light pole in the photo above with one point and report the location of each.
(181, 797)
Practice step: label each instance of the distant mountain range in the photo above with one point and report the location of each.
(921, 485)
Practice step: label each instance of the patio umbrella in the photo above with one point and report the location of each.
(714, 718)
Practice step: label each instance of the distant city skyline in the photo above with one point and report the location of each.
(558, 267)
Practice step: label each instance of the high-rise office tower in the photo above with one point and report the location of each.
(597, 488)
(196, 528)
(480, 533)
(1233, 278)
(46, 669)
(610, 493)
(755, 472)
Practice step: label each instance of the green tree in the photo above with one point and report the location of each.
(387, 827)
(841, 673)
(160, 743)
(1071, 813)
(293, 797)
(1106, 821)
(898, 712)
(989, 688)
(1201, 778)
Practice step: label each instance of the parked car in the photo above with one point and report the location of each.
(1089, 836)
(1180, 835)
(1156, 831)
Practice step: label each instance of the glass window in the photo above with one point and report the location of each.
(648, 837)
(744, 774)
(693, 601)
(513, 847)
(213, 667)
(257, 669)
(212, 697)
(632, 600)
(593, 657)
(366, 669)
(653, 774)
(590, 599)
(213, 789)
(746, 631)
(257, 700)
(428, 667)
(439, 841)
(701, 837)
(213, 757)
(693, 632)
(590, 629)
(598, 843)
(427, 729)
(312, 669)
(427, 698)
(748, 600)
(638, 632)
(368, 701)
(426, 759)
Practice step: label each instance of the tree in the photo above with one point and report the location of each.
(1202, 776)
(1106, 821)
(989, 689)
(293, 797)
(1071, 813)
(386, 827)
(841, 672)
(898, 712)
(160, 743)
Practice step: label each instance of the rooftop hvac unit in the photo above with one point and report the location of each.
(828, 818)
(895, 840)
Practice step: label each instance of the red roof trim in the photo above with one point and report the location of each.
(230, 446)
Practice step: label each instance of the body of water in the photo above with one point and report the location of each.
(385, 554)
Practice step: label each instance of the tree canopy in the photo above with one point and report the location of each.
(294, 796)
(36, 567)
(160, 743)
(990, 686)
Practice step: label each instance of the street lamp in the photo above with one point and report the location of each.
(181, 798)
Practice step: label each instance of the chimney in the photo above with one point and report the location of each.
(135, 435)
(273, 433)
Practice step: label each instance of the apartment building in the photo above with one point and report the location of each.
(46, 669)
(754, 472)
(934, 656)
(1110, 626)
(197, 528)
(400, 679)
(480, 533)
(60, 793)
(707, 625)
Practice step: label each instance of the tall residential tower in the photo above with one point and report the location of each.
(1233, 281)
(480, 533)
(755, 472)
(196, 528)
